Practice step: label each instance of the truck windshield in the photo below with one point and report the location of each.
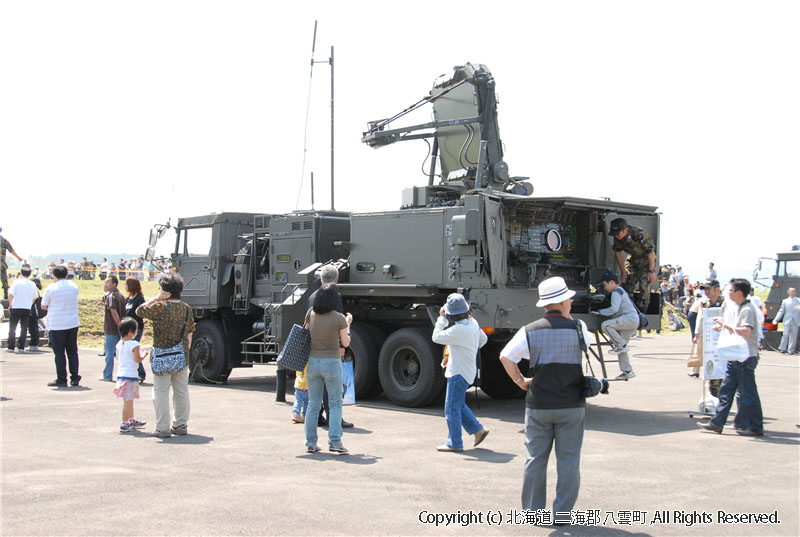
(789, 268)
(195, 241)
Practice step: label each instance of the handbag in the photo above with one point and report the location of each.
(695, 358)
(166, 361)
(297, 348)
(732, 347)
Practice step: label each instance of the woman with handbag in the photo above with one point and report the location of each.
(173, 323)
(327, 327)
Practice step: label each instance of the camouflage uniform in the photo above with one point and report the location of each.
(637, 244)
(4, 245)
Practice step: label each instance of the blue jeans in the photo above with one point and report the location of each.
(110, 348)
(300, 402)
(324, 372)
(740, 376)
(457, 412)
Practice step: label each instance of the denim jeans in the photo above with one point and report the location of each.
(457, 412)
(740, 376)
(65, 342)
(300, 402)
(324, 372)
(111, 348)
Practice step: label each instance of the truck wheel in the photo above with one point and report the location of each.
(496, 383)
(364, 351)
(208, 360)
(409, 368)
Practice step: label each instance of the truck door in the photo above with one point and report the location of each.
(197, 266)
(494, 240)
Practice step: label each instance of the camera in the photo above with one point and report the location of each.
(593, 385)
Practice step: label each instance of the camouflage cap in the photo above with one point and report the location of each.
(709, 283)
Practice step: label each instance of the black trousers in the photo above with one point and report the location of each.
(65, 342)
(33, 330)
(18, 317)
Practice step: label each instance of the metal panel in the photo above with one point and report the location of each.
(495, 240)
(398, 247)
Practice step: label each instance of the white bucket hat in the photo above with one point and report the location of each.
(553, 291)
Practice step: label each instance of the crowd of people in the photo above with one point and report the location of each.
(88, 269)
(555, 388)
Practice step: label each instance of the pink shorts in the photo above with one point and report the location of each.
(127, 389)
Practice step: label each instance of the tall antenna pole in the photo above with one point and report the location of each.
(331, 62)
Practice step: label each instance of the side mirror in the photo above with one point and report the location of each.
(150, 253)
(153, 238)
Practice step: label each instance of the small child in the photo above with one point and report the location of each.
(130, 354)
(300, 397)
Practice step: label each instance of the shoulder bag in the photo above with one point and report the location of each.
(297, 348)
(166, 361)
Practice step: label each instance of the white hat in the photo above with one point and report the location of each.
(553, 291)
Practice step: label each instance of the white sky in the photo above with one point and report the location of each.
(118, 115)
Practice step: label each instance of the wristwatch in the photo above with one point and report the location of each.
(651, 271)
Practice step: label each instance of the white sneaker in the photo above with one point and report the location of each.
(618, 350)
(33, 349)
(626, 375)
(638, 336)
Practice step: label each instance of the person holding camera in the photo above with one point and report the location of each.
(456, 328)
(555, 402)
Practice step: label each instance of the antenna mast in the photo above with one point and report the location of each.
(329, 62)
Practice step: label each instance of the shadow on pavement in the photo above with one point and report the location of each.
(487, 455)
(189, 439)
(352, 458)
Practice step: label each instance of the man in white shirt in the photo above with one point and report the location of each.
(61, 302)
(22, 294)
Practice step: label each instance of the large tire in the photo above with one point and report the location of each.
(364, 351)
(495, 382)
(208, 357)
(409, 368)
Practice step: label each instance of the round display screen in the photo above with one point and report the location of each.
(553, 240)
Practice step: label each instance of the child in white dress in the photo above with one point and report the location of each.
(129, 353)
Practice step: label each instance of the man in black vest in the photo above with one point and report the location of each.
(555, 407)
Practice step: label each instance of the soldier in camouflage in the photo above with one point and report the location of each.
(5, 245)
(638, 271)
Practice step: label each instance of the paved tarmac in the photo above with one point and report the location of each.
(243, 470)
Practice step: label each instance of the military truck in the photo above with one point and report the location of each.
(472, 229)
(785, 276)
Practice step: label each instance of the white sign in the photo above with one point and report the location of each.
(713, 367)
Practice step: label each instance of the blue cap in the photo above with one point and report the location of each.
(609, 277)
(456, 304)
